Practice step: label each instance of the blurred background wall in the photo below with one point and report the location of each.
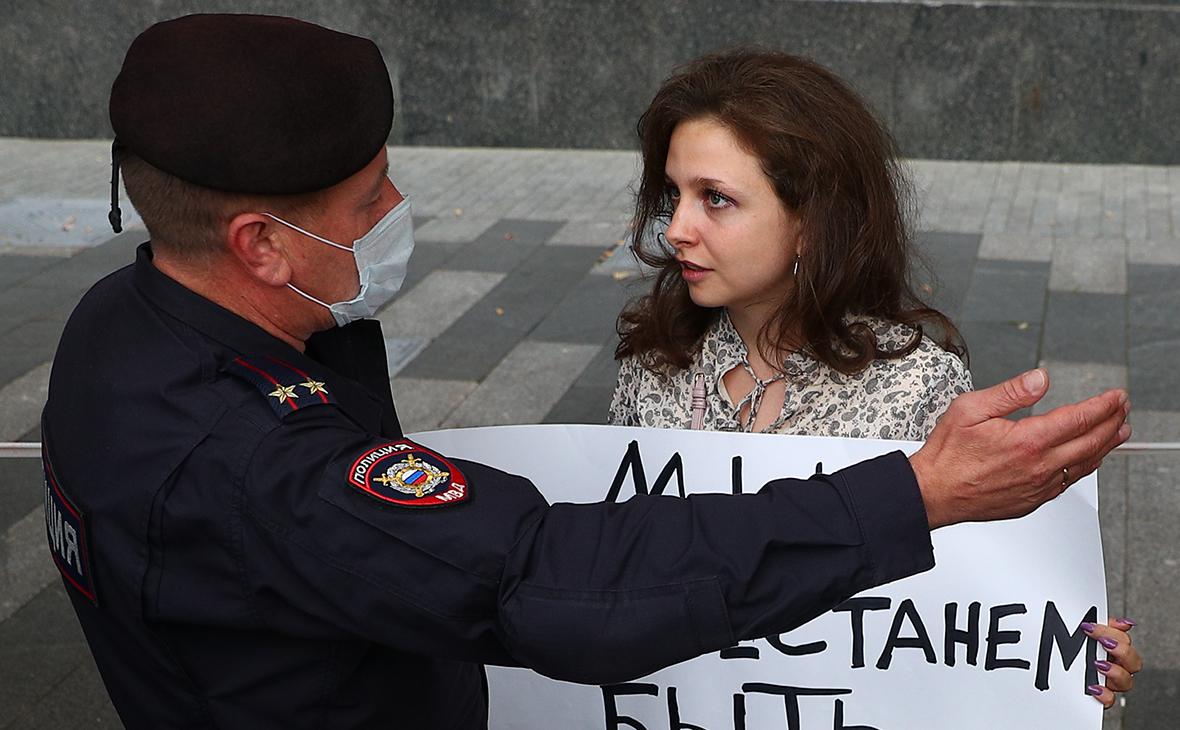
(1012, 80)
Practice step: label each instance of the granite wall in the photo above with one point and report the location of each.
(1079, 81)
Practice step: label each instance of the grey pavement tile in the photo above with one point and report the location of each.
(1016, 247)
(1154, 378)
(603, 370)
(1089, 218)
(1153, 302)
(505, 245)
(1097, 265)
(15, 362)
(1070, 382)
(1082, 327)
(25, 566)
(37, 335)
(1006, 291)
(621, 263)
(79, 701)
(426, 259)
(525, 384)
(424, 403)
(113, 254)
(1155, 702)
(15, 268)
(44, 640)
(401, 350)
(472, 347)
(1112, 516)
(12, 320)
(1113, 188)
(1152, 425)
(1112, 719)
(999, 350)
(943, 270)
(55, 290)
(453, 228)
(433, 304)
(57, 222)
(581, 404)
(21, 483)
(603, 234)
(1023, 198)
(1153, 586)
(1000, 201)
(1163, 250)
(587, 314)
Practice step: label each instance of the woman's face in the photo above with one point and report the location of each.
(735, 240)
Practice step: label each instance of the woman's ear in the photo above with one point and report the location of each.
(258, 243)
(795, 238)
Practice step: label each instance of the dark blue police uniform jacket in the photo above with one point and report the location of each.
(239, 555)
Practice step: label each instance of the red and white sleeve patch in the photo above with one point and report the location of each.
(408, 474)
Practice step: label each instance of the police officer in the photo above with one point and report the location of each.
(248, 539)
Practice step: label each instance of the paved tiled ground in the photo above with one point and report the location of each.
(507, 316)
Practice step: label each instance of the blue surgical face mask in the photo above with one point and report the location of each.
(381, 256)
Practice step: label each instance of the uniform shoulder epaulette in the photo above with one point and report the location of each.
(286, 387)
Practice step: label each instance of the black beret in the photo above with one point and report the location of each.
(252, 103)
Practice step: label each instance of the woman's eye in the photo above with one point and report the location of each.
(717, 200)
(672, 192)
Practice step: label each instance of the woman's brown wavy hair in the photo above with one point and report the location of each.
(834, 166)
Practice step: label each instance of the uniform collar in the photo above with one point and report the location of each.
(203, 315)
(355, 352)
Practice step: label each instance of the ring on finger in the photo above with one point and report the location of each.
(1065, 476)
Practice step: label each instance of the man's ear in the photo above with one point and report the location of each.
(258, 244)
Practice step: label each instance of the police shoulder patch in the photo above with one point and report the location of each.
(408, 474)
(69, 541)
(286, 387)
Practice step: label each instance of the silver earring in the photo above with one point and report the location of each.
(795, 270)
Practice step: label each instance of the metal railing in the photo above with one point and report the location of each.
(32, 449)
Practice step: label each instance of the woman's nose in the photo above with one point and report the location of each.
(680, 231)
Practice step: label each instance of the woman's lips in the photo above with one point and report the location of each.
(693, 273)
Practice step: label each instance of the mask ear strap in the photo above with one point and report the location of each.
(116, 215)
(309, 234)
(308, 297)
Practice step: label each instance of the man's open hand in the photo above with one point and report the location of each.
(977, 465)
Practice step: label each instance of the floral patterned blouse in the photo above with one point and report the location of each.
(891, 399)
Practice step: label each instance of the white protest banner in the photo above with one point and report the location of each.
(987, 639)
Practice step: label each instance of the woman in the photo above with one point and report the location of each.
(771, 207)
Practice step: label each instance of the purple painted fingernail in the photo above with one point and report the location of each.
(1094, 689)
(1088, 627)
(1129, 622)
(1108, 643)
(1102, 666)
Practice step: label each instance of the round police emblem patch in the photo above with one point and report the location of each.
(407, 474)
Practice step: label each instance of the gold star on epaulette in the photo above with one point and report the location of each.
(314, 386)
(283, 392)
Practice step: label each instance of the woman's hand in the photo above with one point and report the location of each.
(1122, 660)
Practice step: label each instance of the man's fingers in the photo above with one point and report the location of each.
(1004, 399)
(1082, 455)
(1076, 420)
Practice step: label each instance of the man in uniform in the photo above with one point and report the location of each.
(248, 539)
